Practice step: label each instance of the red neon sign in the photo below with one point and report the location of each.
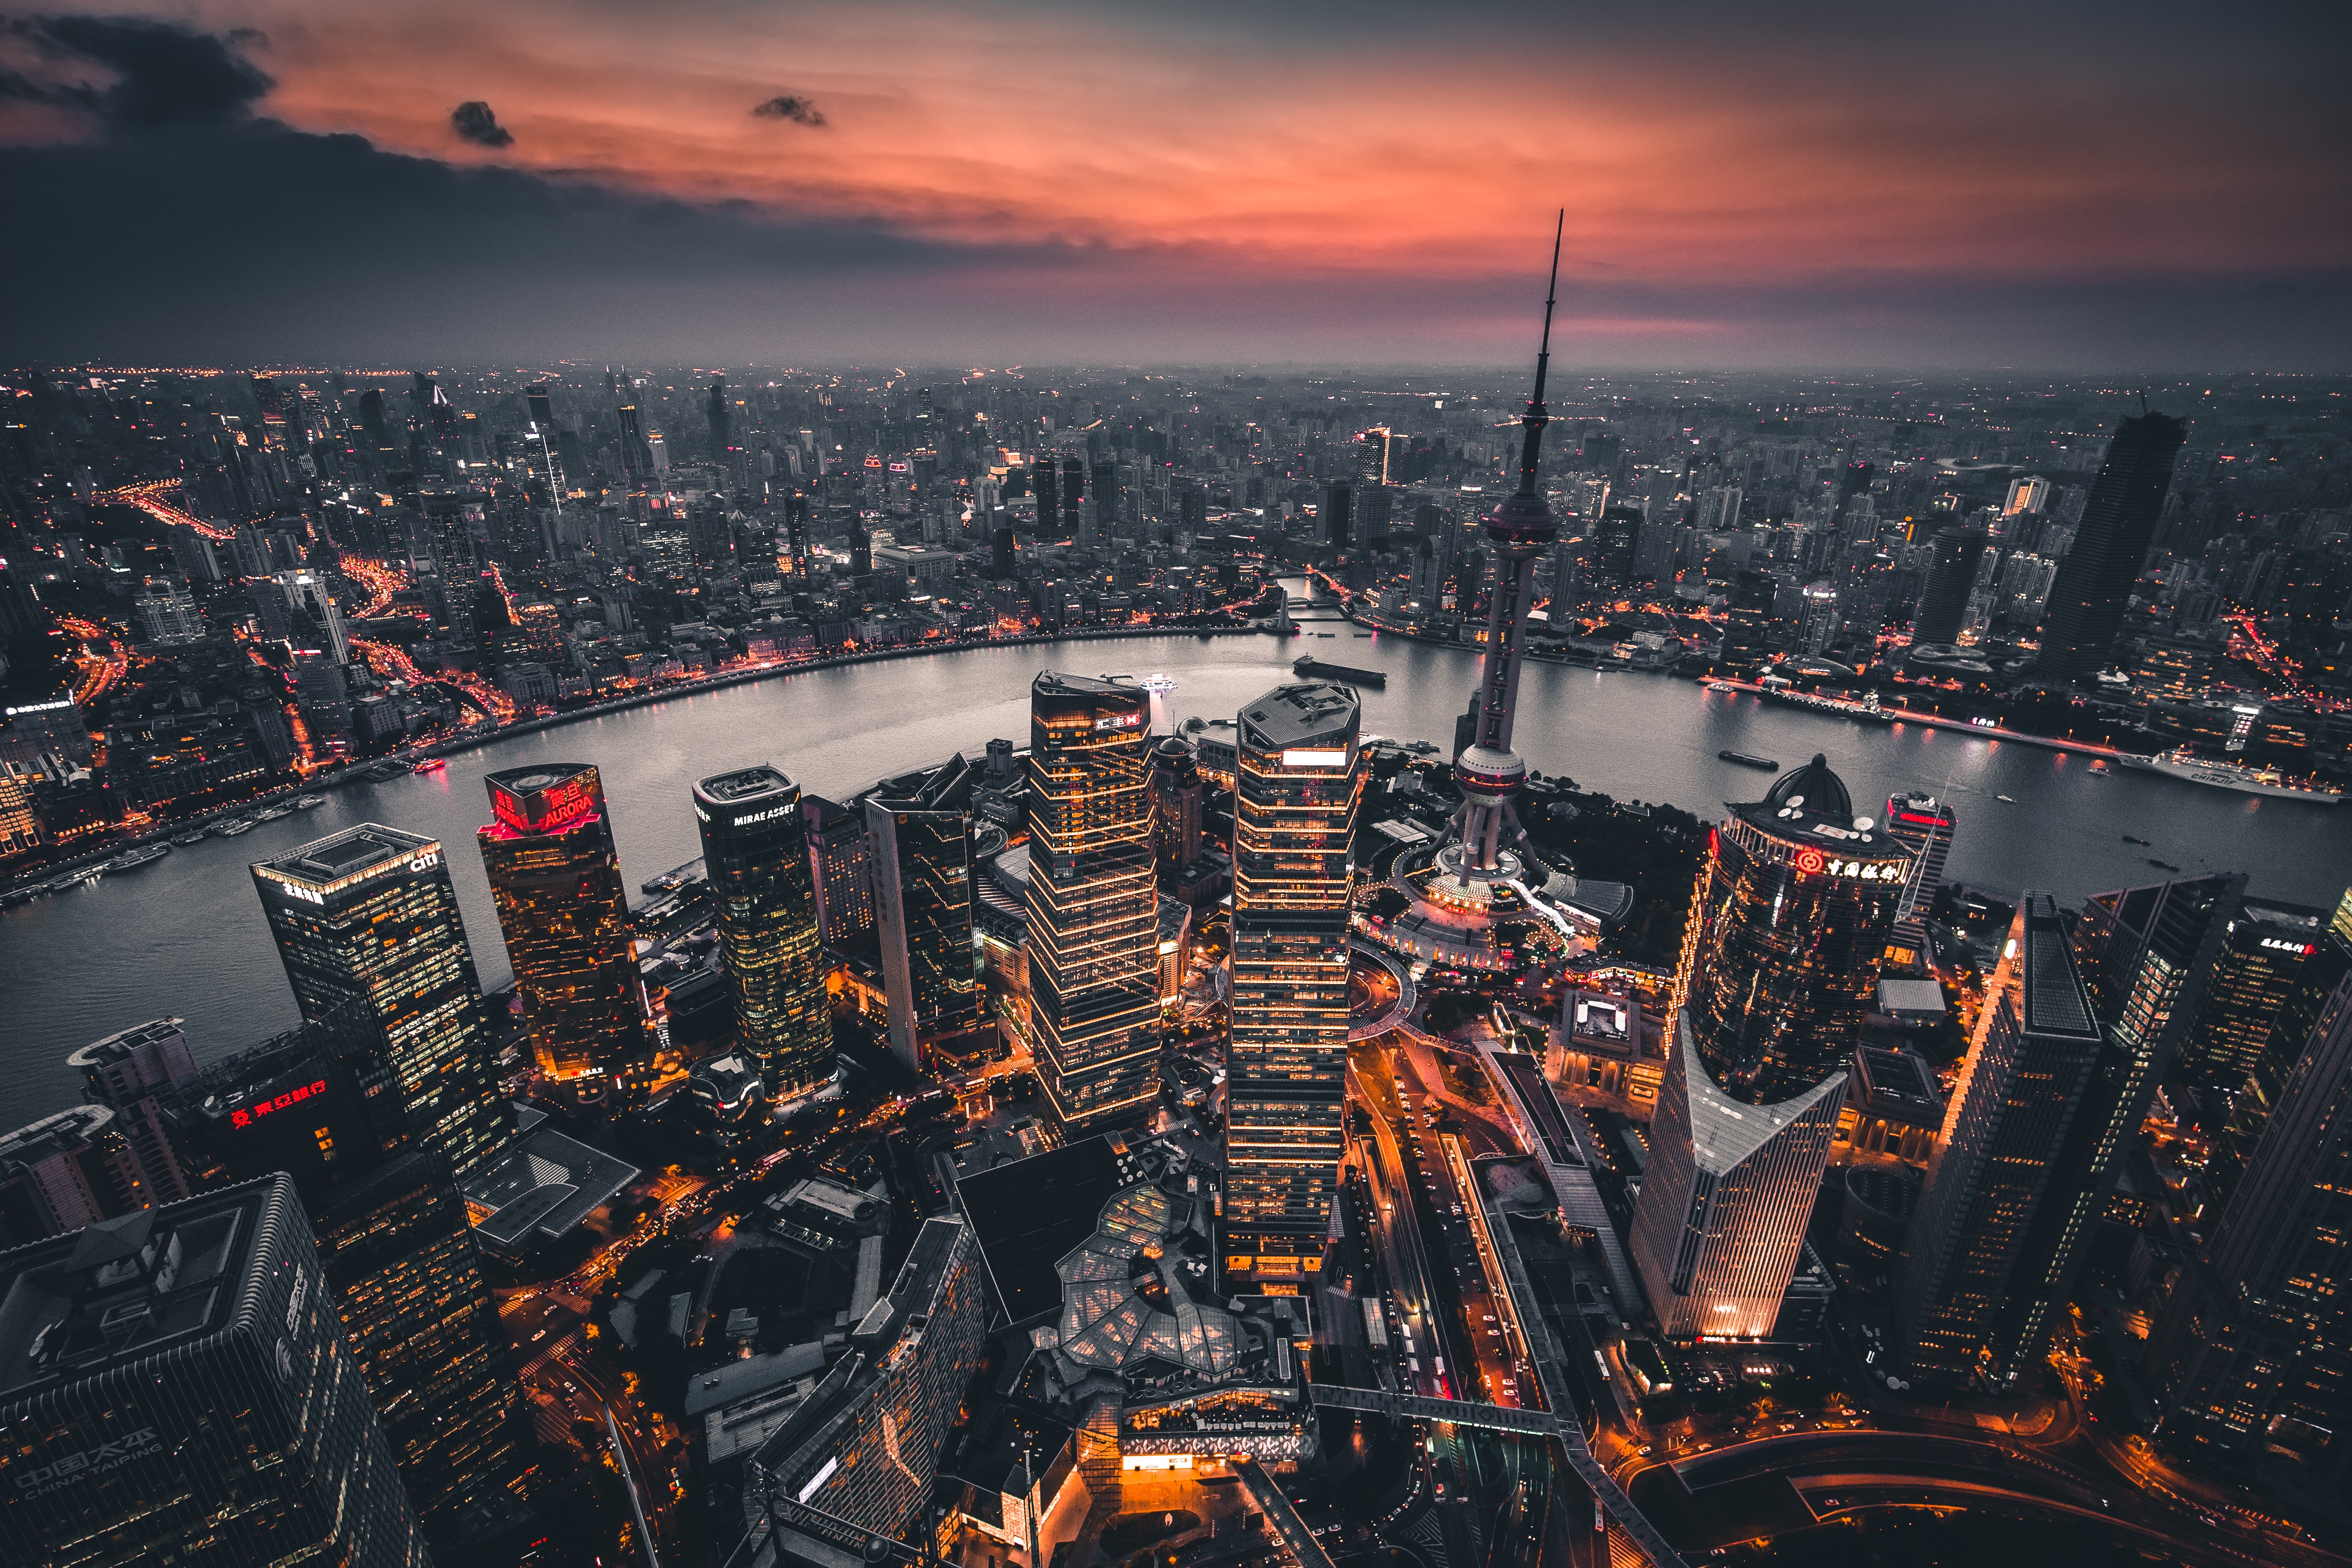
(555, 808)
(1810, 862)
(262, 1108)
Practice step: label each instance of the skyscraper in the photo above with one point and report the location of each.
(2143, 956)
(555, 878)
(1298, 776)
(2253, 1359)
(861, 1452)
(1074, 504)
(919, 825)
(2260, 1007)
(1924, 825)
(395, 1244)
(2084, 612)
(1720, 1224)
(1094, 908)
(177, 1389)
(2274, 970)
(1045, 483)
(636, 456)
(130, 1073)
(1620, 544)
(1175, 789)
(841, 870)
(368, 918)
(1951, 578)
(1788, 928)
(2024, 1083)
(1338, 517)
(755, 851)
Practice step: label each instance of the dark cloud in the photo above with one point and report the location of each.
(789, 106)
(473, 122)
(166, 76)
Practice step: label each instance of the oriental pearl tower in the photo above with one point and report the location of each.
(1485, 872)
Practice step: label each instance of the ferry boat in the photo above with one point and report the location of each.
(2100, 766)
(233, 827)
(271, 813)
(431, 764)
(310, 803)
(2184, 764)
(145, 854)
(193, 836)
(1745, 760)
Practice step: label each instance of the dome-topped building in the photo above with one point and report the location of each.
(1787, 931)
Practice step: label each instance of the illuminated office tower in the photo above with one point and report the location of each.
(1298, 777)
(555, 878)
(367, 917)
(1719, 1227)
(2276, 969)
(130, 1072)
(2084, 612)
(1175, 785)
(920, 828)
(841, 869)
(2143, 956)
(1788, 928)
(755, 851)
(1924, 825)
(396, 1242)
(1094, 910)
(2246, 1001)
(176, 1389)
(2037, 1049)
(859, 1454)
(2253, 1359)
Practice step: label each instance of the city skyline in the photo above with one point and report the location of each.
(1256, 955)
(783, 187)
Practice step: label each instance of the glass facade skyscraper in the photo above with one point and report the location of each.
(919, 825)
(755, 851)
(1298, 779)
(176, 1388)
(2253, 1359)
(862, 1451)
(2274, 970)
(1094, 908)
(1788, 929)
(396, 1242)
(555, 877)
(368, 918)
(2084, 612)
(2037, 1049)
(1719, 1227)
(1924, 825)
(2290, 1016)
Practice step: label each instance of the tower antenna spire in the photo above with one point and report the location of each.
(1536, 417)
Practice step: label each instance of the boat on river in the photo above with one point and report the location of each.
(2185, 764)
(1745, 760)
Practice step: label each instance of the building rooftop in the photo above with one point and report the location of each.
(743, 784)
(539, 1188)
(1911, 999)
(1898, 1086)
(1725, 1132)
(1303, 716)
(1027, 1216)
(325, 863)
(124, 1290)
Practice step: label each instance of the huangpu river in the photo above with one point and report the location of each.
(185, 934)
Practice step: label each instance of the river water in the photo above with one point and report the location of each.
(185, 934)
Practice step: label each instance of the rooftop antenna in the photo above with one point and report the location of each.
(1535, 418)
